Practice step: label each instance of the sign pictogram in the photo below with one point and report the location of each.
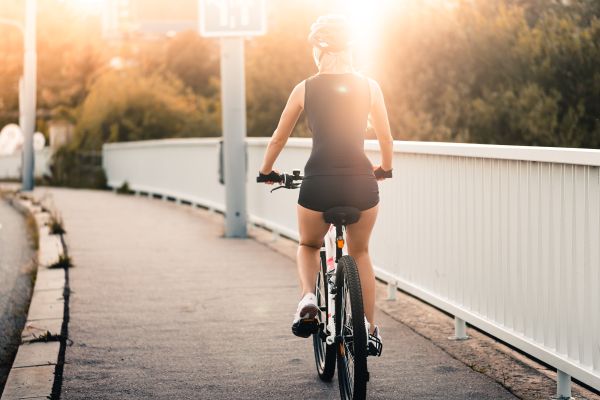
(220, 18)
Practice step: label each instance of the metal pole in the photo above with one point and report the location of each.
(29, 93)
(21, 106)
(233, 104)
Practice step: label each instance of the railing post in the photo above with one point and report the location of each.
(392, 288)
(460, 329)
(563, 385)
(275, 236)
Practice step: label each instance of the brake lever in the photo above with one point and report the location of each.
(290, 186)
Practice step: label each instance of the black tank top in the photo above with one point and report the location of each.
(337, 107)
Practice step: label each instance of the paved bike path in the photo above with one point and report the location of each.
(163, 307)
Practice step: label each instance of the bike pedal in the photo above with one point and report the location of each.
(305, 327)
(374, 349)
(322, 334)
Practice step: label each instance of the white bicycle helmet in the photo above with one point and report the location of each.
(330, 34)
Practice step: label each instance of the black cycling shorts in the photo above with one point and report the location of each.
(320, 193)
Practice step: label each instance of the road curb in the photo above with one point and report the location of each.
(34, 371)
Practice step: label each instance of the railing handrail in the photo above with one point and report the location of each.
(523, 153)
(174, 142)
(560, 155)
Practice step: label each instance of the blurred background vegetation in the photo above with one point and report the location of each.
(519, 72)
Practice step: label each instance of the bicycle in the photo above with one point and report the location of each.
(340, 334)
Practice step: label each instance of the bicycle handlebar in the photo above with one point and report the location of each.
(286, 181)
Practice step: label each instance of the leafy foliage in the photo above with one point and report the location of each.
(127, 105)
(505, 72)
(522, 72)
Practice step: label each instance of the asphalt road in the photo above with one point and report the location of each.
(16, 256)
(164, 308)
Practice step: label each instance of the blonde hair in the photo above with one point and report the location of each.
(333, 61)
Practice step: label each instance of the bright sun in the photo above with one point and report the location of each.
(365, 17)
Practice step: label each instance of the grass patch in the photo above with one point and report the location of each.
(64, 261)
(56, 224)
(124, 189)
(45, 338)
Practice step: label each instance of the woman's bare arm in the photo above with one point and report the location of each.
(381, 124)
(288, 120)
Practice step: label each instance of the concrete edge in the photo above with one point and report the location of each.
(518, 373)
(34, 370)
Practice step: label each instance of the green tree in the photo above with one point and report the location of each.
(127, 105)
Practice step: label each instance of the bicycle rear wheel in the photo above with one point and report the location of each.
(324, 353)
(350, 328)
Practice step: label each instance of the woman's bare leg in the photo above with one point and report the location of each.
(312, 229)
(358, 247)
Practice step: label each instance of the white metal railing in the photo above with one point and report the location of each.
(505, 238)
(10, 166)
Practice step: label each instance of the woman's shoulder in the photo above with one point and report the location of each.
(298, 93)
(300, 87)
(374, 90)
(372, 82)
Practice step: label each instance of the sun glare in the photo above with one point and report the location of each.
(366, 17)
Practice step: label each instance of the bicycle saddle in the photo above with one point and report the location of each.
(341, 215)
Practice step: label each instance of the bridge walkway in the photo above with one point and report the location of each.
(164, 307)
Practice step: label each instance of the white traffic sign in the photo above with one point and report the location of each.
(220, 18)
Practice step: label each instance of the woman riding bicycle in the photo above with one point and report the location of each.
(337, 102)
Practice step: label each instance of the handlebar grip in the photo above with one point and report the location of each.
(270, 177)
(380, 173)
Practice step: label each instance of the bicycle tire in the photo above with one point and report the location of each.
(353, 383)
(325, 357)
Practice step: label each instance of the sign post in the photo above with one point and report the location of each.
(231, 20)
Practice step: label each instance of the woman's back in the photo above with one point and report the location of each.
(337, 107)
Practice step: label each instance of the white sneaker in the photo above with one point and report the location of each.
(374, 342)
(305, 321)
